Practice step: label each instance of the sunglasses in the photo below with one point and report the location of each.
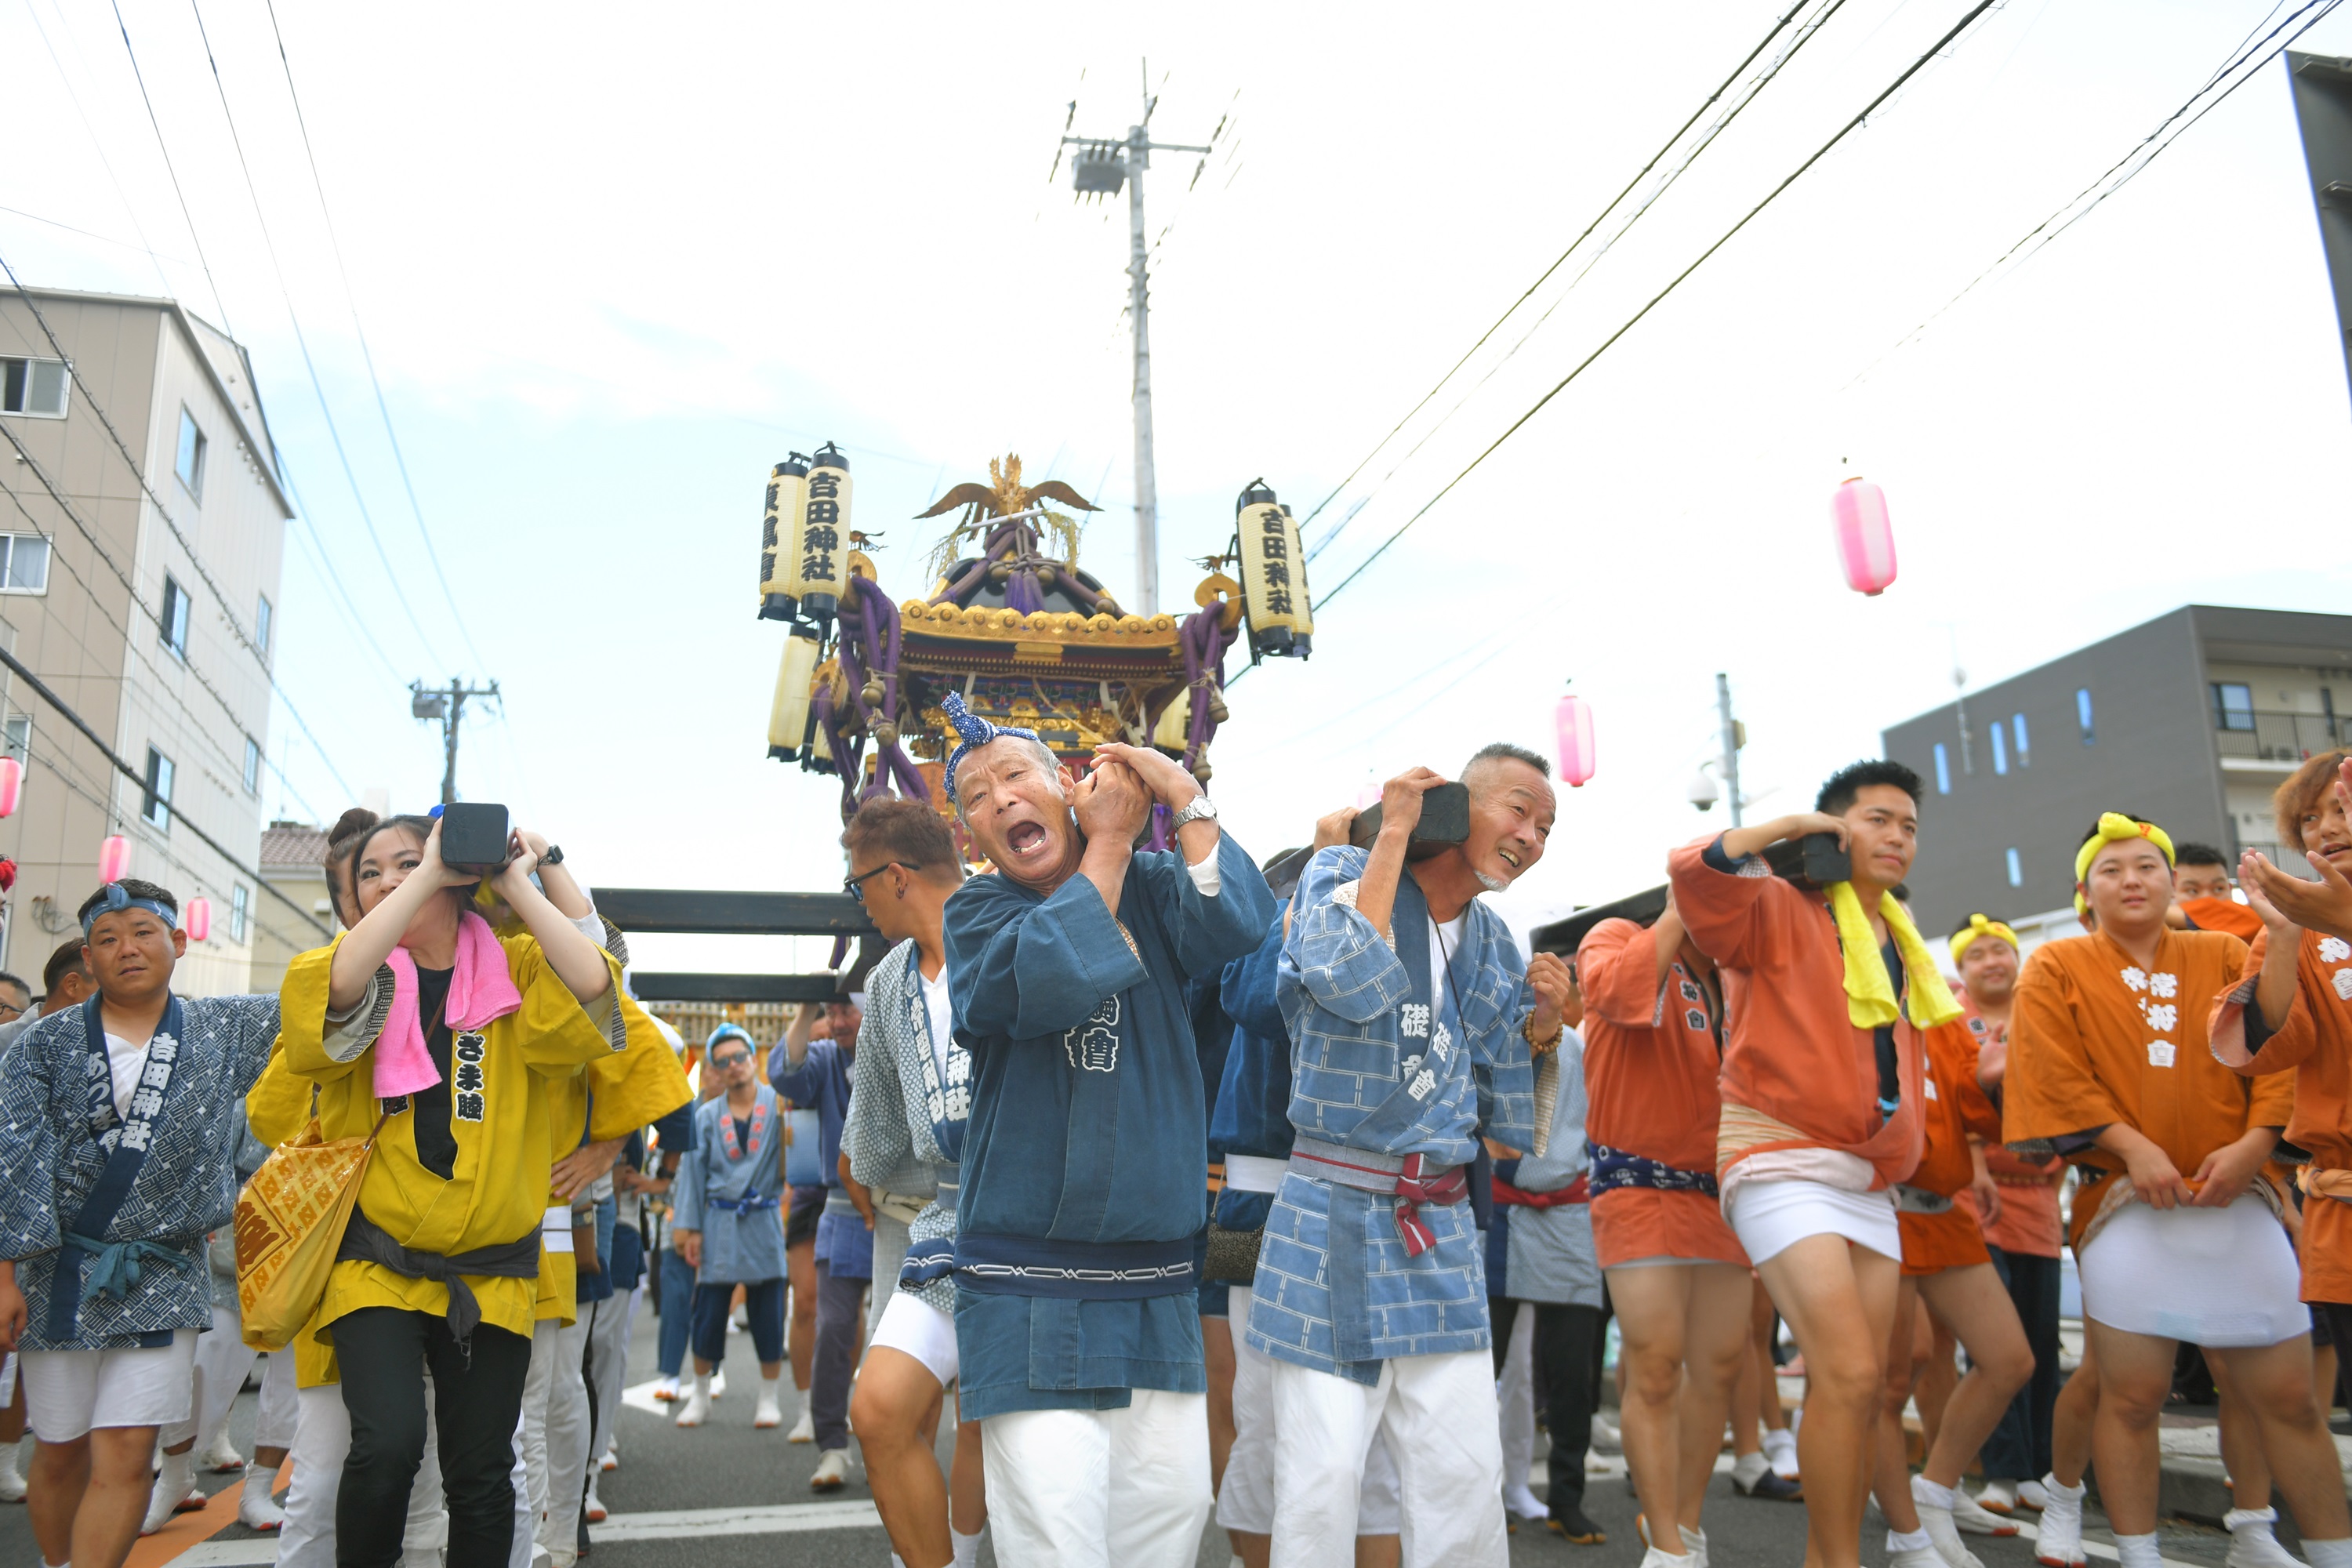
(856, 886)
(732, 1058)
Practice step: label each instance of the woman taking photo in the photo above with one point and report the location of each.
(422, 1017)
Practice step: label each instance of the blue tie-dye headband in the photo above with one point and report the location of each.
(118, 898)
(973, 732)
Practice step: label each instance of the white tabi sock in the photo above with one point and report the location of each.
(897, 1561)
(177, 1476)
(1749, 1467)
(1927, 1491)
(966, 1547)
(2328, 1553)
(2138, 1551)
(1915, 1541)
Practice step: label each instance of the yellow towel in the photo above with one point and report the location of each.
(1870, 1000)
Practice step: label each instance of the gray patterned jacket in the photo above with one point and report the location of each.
(887, 1133)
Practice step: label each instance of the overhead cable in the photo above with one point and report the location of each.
(218, 303)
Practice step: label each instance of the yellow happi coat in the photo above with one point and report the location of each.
(497, 1189)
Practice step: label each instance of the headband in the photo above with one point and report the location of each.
(2114, 827)
(1978, 925)
(117, 899)
(973, 732)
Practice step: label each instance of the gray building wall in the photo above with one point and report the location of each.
(2152, 750)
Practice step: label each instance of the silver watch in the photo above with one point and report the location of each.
(1200, 807)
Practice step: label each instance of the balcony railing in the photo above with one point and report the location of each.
(2280, 737)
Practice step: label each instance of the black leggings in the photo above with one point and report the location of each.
(1567, 1375)
(384, 1352)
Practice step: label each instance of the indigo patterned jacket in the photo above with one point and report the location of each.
(1334, 1289)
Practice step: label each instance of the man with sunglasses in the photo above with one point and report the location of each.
(729, 1188)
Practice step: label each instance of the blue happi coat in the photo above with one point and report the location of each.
(1086, 1151)
(744, 1243)
(1375, 1070)
(904, 1129)
(56, 1139)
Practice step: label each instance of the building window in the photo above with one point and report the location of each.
(16, 738)
(2000, 748)
(34, 386)
(236, 911)
(191, 464)
(2233, 706)
(2082, 716)
(23, 563)
(252, 766)
(156, 806)
(2016, 870)
(172, 623)
(2017, 731)
(1943, 769)
(261, 623)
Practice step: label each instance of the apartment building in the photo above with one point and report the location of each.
(2192, 719)
(142, 593)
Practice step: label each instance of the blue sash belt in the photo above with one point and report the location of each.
(1080, 1270)
(1613, 1168)
(749, 1202)
(932, 1260)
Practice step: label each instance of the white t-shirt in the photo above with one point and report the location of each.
(1443, 941)
(943, 1017)
(125, 1061)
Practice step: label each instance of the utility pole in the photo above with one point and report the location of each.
(1733, 737)
(1100, 167)
(445, 705)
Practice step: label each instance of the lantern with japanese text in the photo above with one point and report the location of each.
(1273, 570)
(113, 859)
(816, 567)
(197, 920)
(1865, 540)
(788, 715)
(787, 488)
(12, 785)
(1573, 724)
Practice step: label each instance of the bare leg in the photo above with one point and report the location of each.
(895, 1393)
(2070, 1420)
(800, 1263)
(1379, 1551)
(1715, 1347)
(2276, 1383)
(1978, 1313)
(1217, 1347)
(114, 1464)
(1767, 1371)
(1891, 1473)
(2241, 1441)
(967, 1492)
(56, 1480)
(1839, 1301)
(1652, 1305)
(1940, 1372)
(2323, 1380)
(2135, 1378)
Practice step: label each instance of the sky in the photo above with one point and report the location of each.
(611, 263)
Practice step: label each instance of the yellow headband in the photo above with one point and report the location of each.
(1979, 926)
(2113, 828)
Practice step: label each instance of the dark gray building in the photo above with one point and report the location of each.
(2190, 720)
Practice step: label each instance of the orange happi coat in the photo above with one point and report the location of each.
(1953, 1110)
(2096, 1039)
(2029, 1225)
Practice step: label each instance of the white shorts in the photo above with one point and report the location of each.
(66, 1392)
(912, 1326)
(1245, 1499)
(2222, 1278)
(1773, 1215)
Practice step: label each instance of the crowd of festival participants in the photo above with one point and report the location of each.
(1186, 1187)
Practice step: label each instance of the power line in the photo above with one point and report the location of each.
(366, 353)
(1639, 175)
(303, 343)
(218, 303)
(2149, 145)
(1847, 128)
(99, 147)
(70, 716)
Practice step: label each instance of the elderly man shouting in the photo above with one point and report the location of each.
(1416, 1029)
(1084, 1159)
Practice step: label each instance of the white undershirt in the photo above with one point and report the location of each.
(941, 1016)
(1451, 932)
(125, 1061)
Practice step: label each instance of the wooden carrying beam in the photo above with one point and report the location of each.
(734, 988)
(732, 913)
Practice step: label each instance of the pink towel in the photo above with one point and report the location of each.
(479, 990)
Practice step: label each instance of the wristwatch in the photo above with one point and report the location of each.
(1199, 808)
(554, 855)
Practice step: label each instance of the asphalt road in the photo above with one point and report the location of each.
(678, 1487)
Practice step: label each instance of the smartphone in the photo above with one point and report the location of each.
(1445, 822)
(1817, 857)
(474, 837)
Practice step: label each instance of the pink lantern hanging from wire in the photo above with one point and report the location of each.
(197, 920)
(1573, 722)
(12, 785)
(1865, 540)
(113, 859)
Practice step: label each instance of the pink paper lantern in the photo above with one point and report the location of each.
(1865, 540)
(113, 859)
(12, 785)
(197, 920)
(1573, 720)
